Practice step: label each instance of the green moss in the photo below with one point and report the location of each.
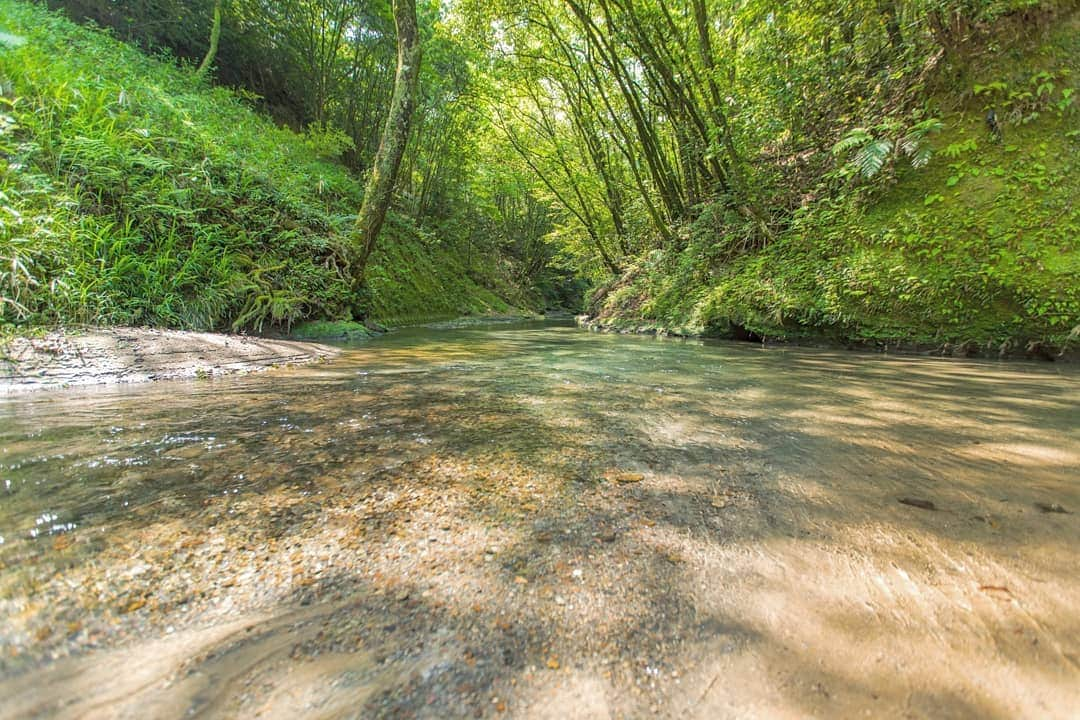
(981, 246)
(345, 330)
(413, 279)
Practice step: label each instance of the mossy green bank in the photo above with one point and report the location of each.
(979, 249)
(131, 192)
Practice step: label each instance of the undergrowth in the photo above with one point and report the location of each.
(133, 193)
(978, 246)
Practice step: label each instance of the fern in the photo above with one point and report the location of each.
(873, 157)
(911, 144)
(921, 158)
(154, 164)
(855, 138)
(876, 150)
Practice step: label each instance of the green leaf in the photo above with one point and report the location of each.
(872, 158)
(921, 158)
(855, 138)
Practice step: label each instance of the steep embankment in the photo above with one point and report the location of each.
(132, 193)
(978, 251)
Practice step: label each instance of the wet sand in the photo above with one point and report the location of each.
(544, 523)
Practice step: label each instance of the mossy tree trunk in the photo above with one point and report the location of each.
(395, 136)
(215, 38)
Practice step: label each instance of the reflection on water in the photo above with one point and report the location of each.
(807, 442)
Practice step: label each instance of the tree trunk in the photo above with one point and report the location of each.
(395, 136)
(888, 11)
(215, 38)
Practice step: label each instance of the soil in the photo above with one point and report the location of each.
(104, 356)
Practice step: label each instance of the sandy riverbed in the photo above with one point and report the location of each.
(544, 523)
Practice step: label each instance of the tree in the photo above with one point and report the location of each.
(395, 136)
(215, 38)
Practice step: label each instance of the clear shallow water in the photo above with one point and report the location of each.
(721, 452)
(87, 458)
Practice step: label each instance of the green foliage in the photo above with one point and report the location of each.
(331, 330)
(326, 141)
(1046, 91)
(877, 150)
(132, 193)
(977, 248)
(695, 161)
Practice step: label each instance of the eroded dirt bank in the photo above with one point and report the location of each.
(102, 356)
(548, 524)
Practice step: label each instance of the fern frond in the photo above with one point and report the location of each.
(911, 144)
(154, 164)
(922, 157)
(872, 158)
(855, 138)
(929, 126)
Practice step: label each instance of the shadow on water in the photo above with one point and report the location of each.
(536, 520)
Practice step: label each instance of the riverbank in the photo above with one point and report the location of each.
(972, 255)
(59, 358)
(1004, 351)
(128, 236)
(109, 356)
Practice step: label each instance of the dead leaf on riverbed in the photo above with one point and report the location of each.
(622, 477)
(133, 606)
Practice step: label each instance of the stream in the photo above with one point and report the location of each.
(530, 520)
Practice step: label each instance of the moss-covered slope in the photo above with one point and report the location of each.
(131, 192)
(979, 249)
